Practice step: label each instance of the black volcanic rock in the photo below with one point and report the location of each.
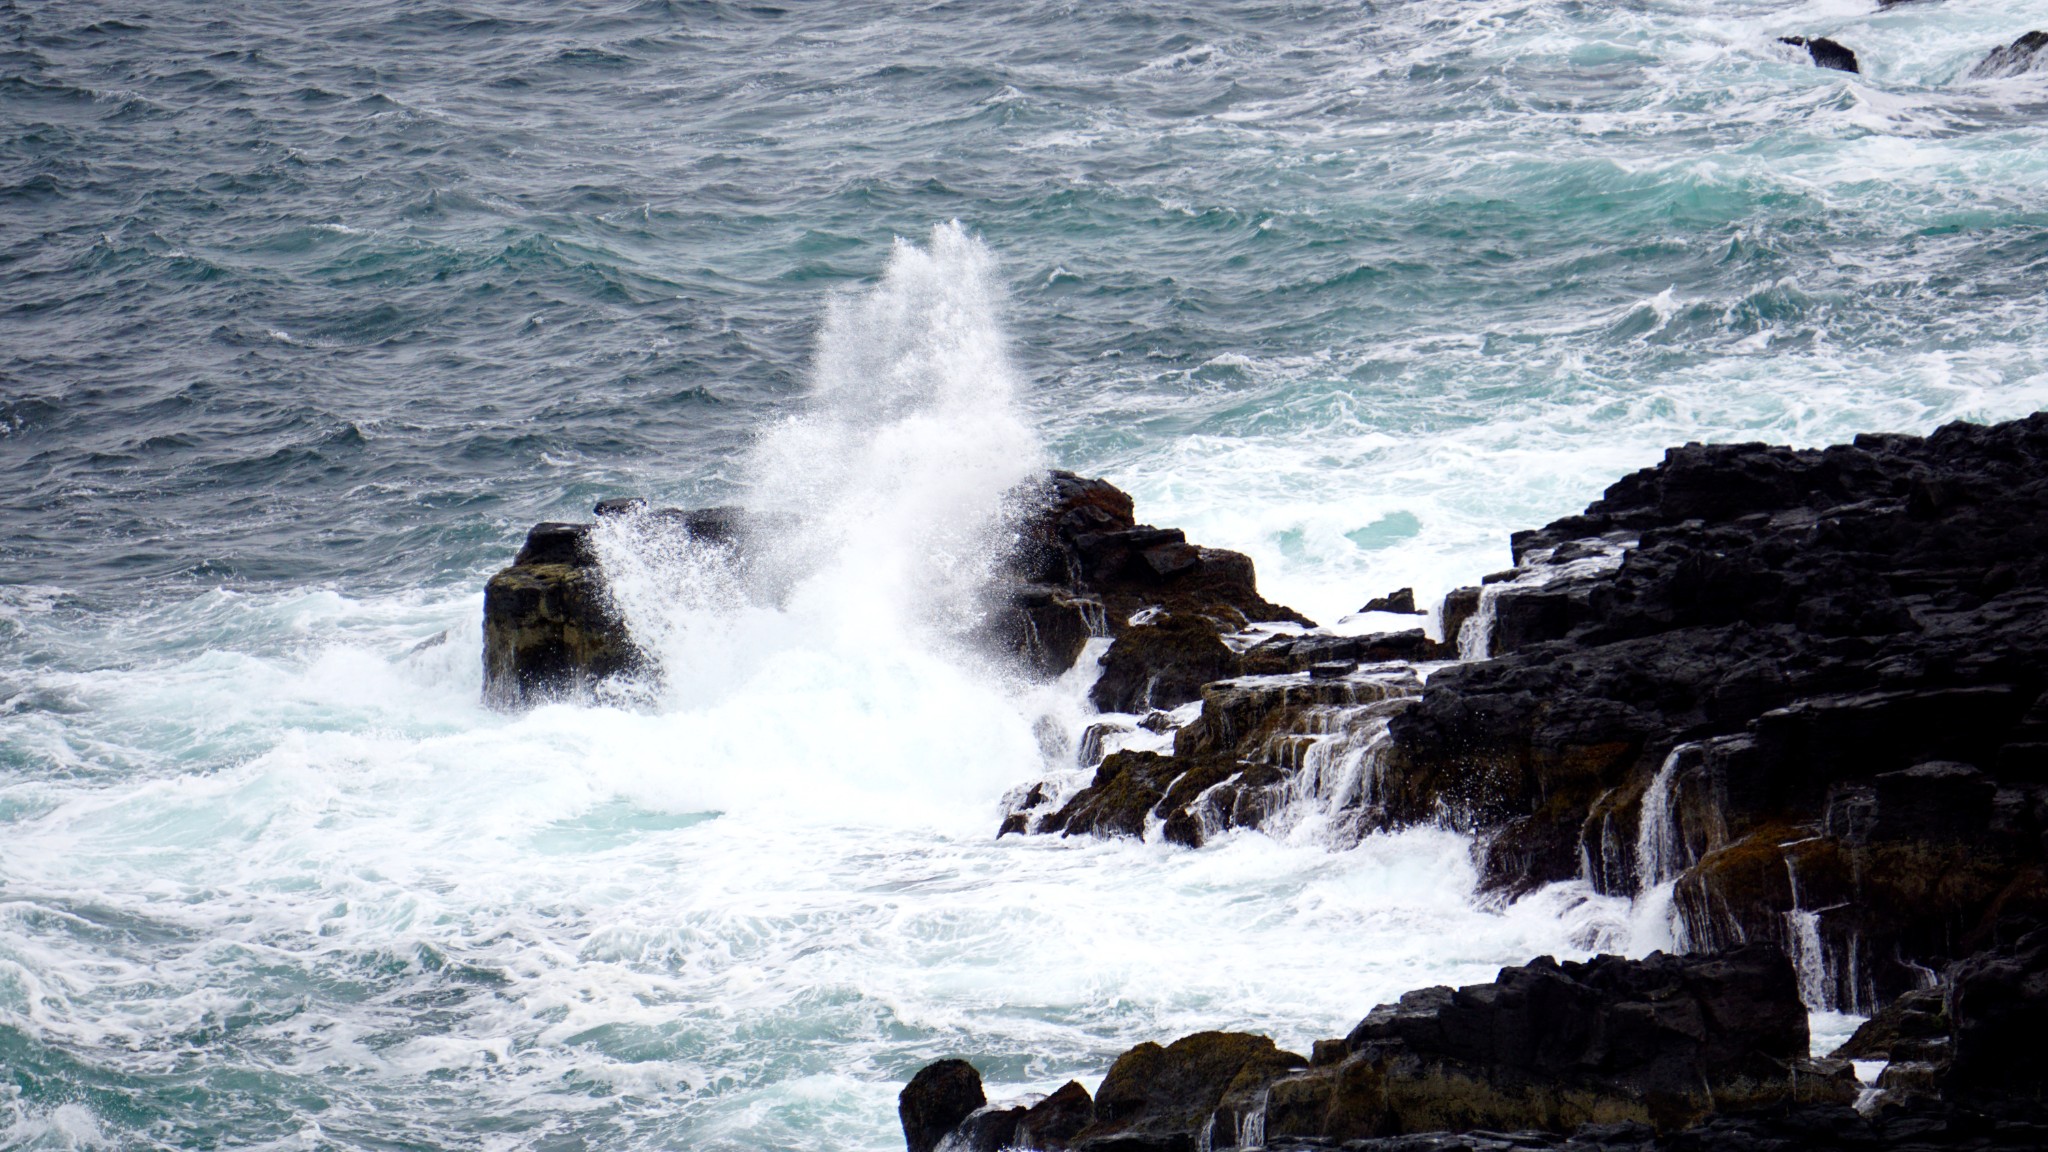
(1162, 663)
(1053, 1122)
(936, 1100)
(1402, 601)
(1843, 648)
(550, 631)
(1081, 534)
(1998, 1013)
(1664, 1041)
(1826, 53)
(1158, 1099)
(1614, 1050)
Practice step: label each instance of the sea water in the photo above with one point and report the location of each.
(309, 310)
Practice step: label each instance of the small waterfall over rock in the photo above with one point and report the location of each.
(1475, 635)
(1660, 848)
(1298, 756)
(1251, 1127)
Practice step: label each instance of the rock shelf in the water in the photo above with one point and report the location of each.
(1668, 1052)
(1659, 1044)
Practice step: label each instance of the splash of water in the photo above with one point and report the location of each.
(829, 642)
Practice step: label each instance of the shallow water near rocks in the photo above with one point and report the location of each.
(309, 311)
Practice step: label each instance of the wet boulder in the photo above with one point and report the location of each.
(935, 1102)
(990, 1128)
(1162, 1099)
(1127, 786)
(1913, 1027)
(1051, 1124)
(1162, 663)
(549, 628)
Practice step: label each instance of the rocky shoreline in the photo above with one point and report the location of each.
(1801, 695)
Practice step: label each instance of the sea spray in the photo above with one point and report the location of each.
(835, 627)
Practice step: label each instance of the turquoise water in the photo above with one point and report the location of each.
(306, 312)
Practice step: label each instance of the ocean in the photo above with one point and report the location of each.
(308, 311)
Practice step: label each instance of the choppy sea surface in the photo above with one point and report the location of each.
(308, 310)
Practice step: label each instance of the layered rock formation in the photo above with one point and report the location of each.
(1811, 694)
(1800, 691)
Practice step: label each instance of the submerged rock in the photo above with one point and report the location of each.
(1826, 53)
(2026, 54)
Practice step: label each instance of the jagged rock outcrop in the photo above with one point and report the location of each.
(1053, 1122)
(549, 630)
(1082, 565)
(1401, 602)
(2026, 54)
(936, 1101)
(1821, 672)
(1082, 535)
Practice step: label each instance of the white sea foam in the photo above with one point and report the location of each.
(735, 914)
